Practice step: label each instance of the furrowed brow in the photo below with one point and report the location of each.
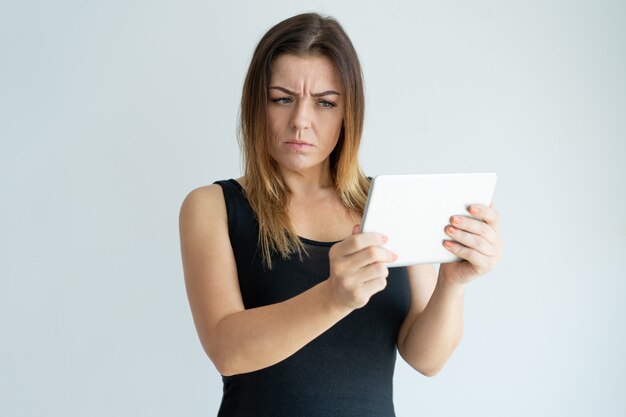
(284, 90)
(325, 93)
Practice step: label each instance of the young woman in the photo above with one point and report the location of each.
(293, 305)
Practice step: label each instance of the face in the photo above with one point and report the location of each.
(304, 112)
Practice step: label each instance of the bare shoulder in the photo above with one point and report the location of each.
(211, 194)
(203, 226)
(207, 196)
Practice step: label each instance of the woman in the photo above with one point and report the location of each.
(293, 305)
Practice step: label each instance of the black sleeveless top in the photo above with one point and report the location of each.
(346, 371)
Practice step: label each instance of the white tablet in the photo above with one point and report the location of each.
(413, 210)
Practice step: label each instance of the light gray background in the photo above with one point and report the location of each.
(111, 112)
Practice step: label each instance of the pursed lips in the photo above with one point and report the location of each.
(298, 144)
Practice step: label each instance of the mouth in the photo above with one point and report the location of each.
(298, 144)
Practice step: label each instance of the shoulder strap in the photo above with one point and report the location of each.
(238, 209)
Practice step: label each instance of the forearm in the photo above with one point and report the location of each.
(437, 331)
(253, 339)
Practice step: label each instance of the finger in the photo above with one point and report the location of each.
(373, 272)
(479, 261)
(375, 285)
(476, 227)
(371, 255)
(471, 241)
(358, 242)
(487, 214)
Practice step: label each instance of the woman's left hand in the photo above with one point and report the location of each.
(476, 240)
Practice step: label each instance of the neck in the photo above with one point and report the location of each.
(307, 183)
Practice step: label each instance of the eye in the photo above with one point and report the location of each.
(281, 100)
(327, 104)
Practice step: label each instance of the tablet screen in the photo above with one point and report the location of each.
(413, 210)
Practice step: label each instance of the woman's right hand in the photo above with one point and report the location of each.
(357, 268)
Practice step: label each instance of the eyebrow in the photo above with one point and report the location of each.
(325, 93)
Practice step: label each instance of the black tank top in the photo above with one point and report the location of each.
(347, 370)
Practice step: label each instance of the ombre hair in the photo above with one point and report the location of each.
(303, 35)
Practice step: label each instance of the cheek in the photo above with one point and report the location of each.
(332, 127)
(275, 122)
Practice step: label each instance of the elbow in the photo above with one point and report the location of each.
(432, 366)
(427, 368)
(223, 362)
(223, 365)
(222, 359)
(429, 372)
(426, 365)
(224, 368)
(223, 355)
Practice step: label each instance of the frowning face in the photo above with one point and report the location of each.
(304, 112)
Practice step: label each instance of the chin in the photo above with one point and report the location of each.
(298, 165)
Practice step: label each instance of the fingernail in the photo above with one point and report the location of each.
(474, 210)
(385, 238)
(457, 220)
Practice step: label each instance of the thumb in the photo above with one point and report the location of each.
(356, 229)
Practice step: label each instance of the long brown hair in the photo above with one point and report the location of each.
(303, 35)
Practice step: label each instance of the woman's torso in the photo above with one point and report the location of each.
(346, 371)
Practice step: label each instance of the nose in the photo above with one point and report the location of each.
(300, 118)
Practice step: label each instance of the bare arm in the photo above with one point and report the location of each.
(239, 340)
(434, 326)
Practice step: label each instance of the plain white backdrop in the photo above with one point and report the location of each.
(111, 112)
